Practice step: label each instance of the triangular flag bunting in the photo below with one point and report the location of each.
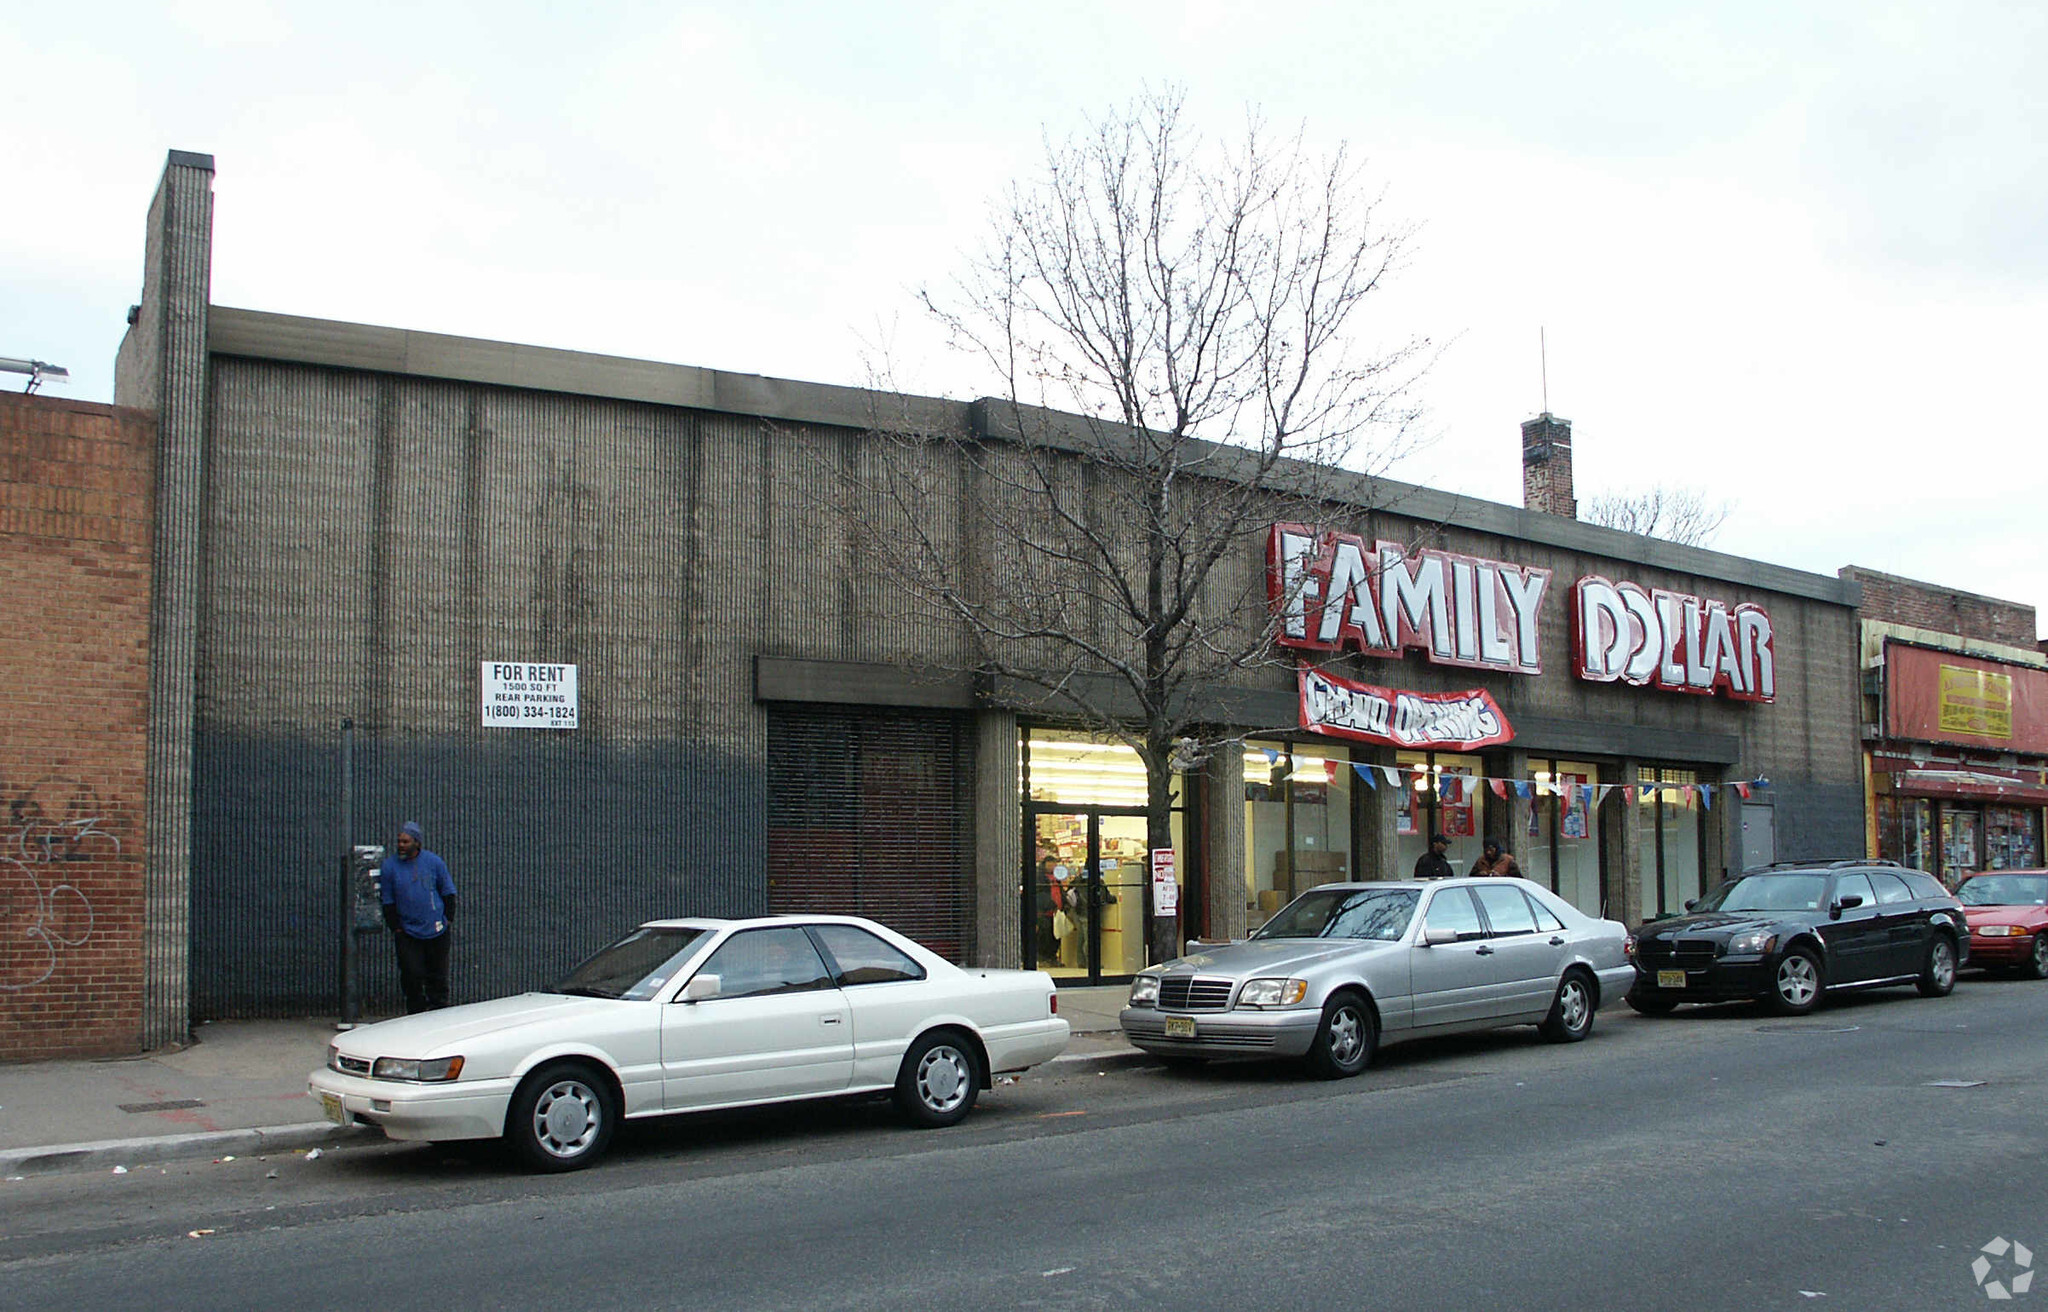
(1364, 773)
(1707, 796)
(1499, 787)
(1392, 775)
(1743, 789)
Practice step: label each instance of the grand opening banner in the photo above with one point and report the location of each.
(1456, 721)
(1944, 697)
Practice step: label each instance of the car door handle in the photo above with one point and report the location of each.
(830, 1020)
(1557, 940)
(1483, 952)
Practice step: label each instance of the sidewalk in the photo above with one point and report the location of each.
(240, 1088)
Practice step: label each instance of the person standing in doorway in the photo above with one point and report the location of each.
(1431, 864)
(1497, 860)
(419, 906)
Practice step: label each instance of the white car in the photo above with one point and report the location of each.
(690, 1015)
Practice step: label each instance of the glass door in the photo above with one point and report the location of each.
(1088, 893)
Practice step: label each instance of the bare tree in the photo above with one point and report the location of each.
(1676, 514)
(1172, 335)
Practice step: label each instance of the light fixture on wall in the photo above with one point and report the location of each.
(38, 371)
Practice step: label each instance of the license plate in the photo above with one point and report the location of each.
(1670, 979)
(332, 1106)
(1180, 1027)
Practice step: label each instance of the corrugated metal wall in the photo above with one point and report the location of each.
(870, 813)
(368, 540)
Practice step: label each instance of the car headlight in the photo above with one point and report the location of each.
(440, 1070)
(2000, 931)
(1754, 943)
(1272, 992)
(1145, 991)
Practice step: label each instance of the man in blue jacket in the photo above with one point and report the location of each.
(419, 906)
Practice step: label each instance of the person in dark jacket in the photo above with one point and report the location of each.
(1431, 864)
(419, 905)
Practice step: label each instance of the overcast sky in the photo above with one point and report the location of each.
(1793, 255)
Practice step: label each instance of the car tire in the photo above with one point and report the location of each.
(2037, 960)
(1650, 1004)
(562, 1117)
(1345, 1040)
(938, 1081)
(1938, 976)
(1796, 984)
(1571, 1011)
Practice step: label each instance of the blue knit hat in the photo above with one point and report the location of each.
(413, 827)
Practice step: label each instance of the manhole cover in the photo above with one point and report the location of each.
(174, 1105)
(1955, 1084)
(1807, 1029)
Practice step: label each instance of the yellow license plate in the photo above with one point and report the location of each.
(1670, 979)
(332, 1106)
(1180, 1027)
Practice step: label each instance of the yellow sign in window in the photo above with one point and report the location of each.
(1977, 702)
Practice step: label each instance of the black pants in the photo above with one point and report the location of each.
(423, 970)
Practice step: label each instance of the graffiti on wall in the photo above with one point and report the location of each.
(44, 828)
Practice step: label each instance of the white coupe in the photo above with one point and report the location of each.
(690, 1015)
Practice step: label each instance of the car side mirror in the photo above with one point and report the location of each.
(1691, 902)
(1435, 936)
(1848, 900)
(699, 988)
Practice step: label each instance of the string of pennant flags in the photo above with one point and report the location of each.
(1452, 787)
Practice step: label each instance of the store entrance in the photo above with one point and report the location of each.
(1087, 892)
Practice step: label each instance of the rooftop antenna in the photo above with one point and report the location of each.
(37, 370)
(1543, 357)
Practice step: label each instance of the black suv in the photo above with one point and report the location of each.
(1788, 933)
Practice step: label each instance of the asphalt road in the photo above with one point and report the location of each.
(1719, 1158)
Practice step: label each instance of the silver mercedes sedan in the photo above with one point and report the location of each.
(1346, 967)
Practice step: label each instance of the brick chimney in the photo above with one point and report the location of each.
(1547, 466)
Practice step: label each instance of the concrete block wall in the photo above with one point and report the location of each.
(75, 532)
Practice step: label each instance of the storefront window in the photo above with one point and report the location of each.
(1298, 801)
(1959, 832)
(1905, 831)
(1674, 840)
(1563, 839)
(1439, 794)
(2012, 838)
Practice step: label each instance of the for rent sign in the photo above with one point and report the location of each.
(524, 695)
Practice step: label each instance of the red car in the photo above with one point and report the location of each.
(2008, 911)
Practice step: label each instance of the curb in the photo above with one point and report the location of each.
(108, 1153)
(105, 1154)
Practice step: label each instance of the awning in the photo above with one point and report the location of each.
(1977, 785)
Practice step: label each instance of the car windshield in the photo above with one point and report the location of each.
(1371, 913)
(1767, 893)
(635, 966)
(2004, 891)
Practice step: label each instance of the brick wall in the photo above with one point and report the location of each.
(1889, 599)
(75, 484)
(1547, 466)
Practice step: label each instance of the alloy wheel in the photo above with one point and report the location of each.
(1943, 965)
(1573, 1005)
(1797, 980)
(1347, 1035)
